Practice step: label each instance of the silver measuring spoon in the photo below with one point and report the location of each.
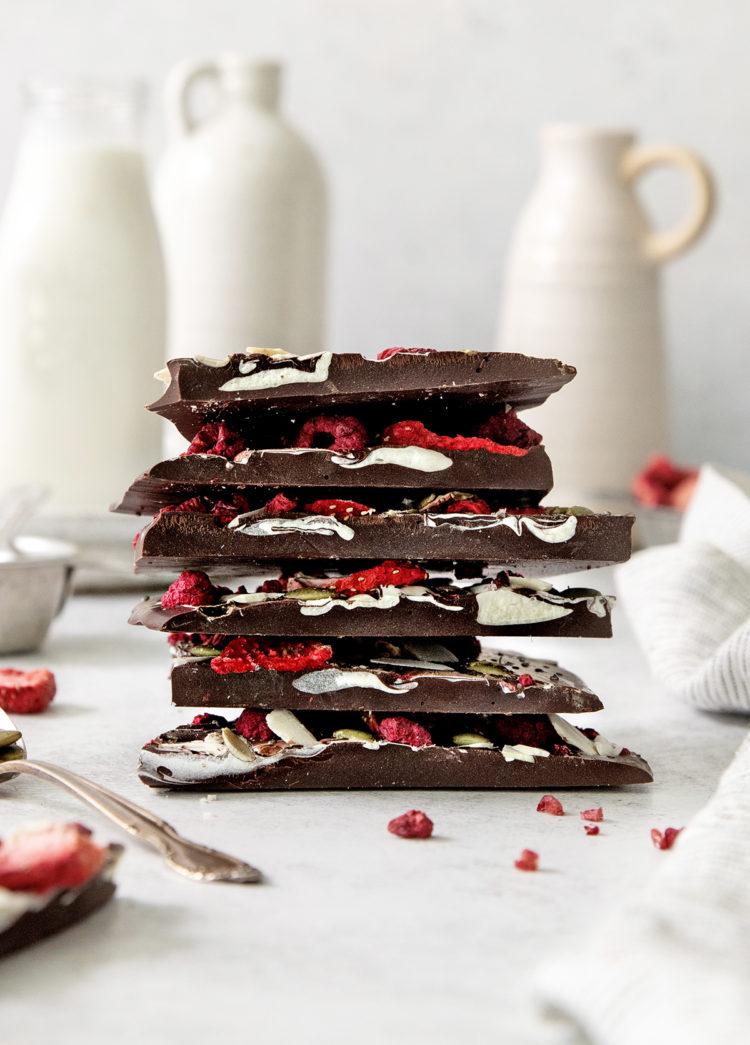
(188, 858)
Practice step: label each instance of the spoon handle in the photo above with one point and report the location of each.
(189, 858)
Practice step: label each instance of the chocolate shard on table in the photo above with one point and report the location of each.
(201, 389)
(283, 750)
(51, 876)
(536, 542)
(524, 480)
(396, 597)
(370, 675)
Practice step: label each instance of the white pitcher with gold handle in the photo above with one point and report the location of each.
(582, 285)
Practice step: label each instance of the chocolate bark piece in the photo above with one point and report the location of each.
(375, 684)
(535, 545)
(199, 391)
(195, 759)
(63, 907)
(525, 480)
(427, 609)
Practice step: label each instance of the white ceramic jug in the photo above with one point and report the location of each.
(242, 210)
(81, 298)
(582, 285)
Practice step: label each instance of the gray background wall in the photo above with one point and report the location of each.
(425, 114)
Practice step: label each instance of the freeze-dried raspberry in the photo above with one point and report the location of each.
(400, 730)
(414, 433)
(533, 730)
(176, 637)
(550, 804)
(477, 507)
(390, 572)
(528, 860)
(664, 483)
(413, 824)
(666, 840)
(507, 428)
(345, 435)
(252, 725)
(216, 438)
(210, 721)
(273, 585)
(591, 829)
(281, 505)
(245, 654)
(193, 504)
(339, 509)
(192, 588)
(525, 680)
(225, 511)
(592, 814)
(561, 749)
(26, 692)
(388, 352)
(49, 856)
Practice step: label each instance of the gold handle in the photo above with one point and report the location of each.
(661, 246)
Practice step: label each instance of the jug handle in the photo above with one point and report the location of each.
(180, 82)
(661, 246)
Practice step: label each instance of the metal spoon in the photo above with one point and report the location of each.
(188, 858)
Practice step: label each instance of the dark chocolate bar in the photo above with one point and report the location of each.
(521, 607)
(214, 757)
(360, 677)
(199, 390)
(524, 479)
(536, 545)
(63, 907)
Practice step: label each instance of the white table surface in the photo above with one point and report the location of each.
(356, 936)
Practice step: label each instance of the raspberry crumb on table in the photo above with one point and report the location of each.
(665, 840)
(413, 824)
(591, 829)
(528, 861)
(550, 804)
(592, 814)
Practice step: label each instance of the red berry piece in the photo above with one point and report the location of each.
(507, 428)
(245, 654)
(663, 483)
(192, 588)
(528, 861)
(235, 659)
(339, 509)
(388, 352)
(390, 572)
(281, 505)
(210, 721)
(473, 507)
(413, 824)
(216, 438)
(525, 680)
(591, 829)
(26, 692)
(400, 730)
(252, 725)
(592, 814)
(345, 435)
(49, 856)
(550, 804)
(666, 840)
(193, 504)
(414, 433)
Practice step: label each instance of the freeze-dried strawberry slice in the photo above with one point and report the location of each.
(338, 509)
(528, 860)
(391, 572)
(281, 504)
(400, 730)
(666, 840)
(26, 692)
(506, 427)
(216, 438)
(252, 725)
(192, 588)
(413, 824)
(245, 654)
(592, 814)
(477, 507)
(414, 433)
(388, 352)
(49, 856)
(550, 804)
(591, 829)
(345, 435)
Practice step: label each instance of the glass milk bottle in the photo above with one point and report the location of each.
(81, 297)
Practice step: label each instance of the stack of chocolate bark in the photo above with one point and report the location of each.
(382, 515)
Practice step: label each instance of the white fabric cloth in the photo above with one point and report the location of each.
(689, 602)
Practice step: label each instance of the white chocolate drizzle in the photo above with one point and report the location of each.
(330, 680)
(418, 458)
(325, 525)
(281, 373)
(550, 531)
